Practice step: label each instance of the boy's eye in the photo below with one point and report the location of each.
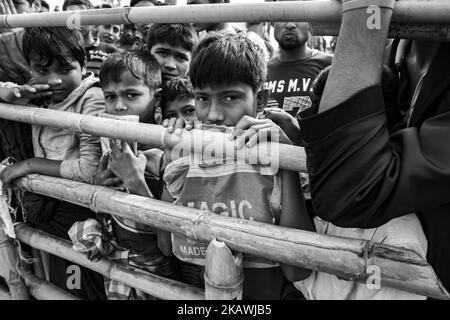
(189, 111)
(162, 53)
(182, 57)
(109, 97)
(230, 98)
(170, 115)
(201, 99)
(132, 95)
(41, 71)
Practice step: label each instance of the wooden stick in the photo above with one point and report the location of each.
(152, 284)
(44, 290)
(198, 141)
(311, 11)
(346, 258)
(224, 276)
(9, 268)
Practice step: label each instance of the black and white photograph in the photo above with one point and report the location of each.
(224, 158)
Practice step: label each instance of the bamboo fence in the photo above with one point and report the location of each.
(347, 258)
(411, 19)
(197, 141)
(156, 286)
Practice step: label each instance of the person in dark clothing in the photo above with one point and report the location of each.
(360, 175)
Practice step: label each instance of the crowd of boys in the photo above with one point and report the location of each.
(220, 78)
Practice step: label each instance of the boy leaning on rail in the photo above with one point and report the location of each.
(130, 84)
(59, 82)
(231, 95)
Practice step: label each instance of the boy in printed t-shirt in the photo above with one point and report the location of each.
(228, 72)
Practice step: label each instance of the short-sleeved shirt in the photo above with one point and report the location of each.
(290, 83)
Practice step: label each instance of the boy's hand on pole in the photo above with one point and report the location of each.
(13, 172)
(125, 165)
(104, 176)
(250, 131)
(176, 125)
(285, 121)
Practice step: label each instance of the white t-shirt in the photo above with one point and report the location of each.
(405, 231)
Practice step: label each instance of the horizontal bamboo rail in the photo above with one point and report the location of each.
(152, 284)
(427, 16)
(288, 157)
(347, 258)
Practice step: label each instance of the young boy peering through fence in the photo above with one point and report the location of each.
(130, 83)
(59, 82)
(227, 73)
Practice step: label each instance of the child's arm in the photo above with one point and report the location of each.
(164, 237)
(294, 215)
(85, 167)
(130, 169)
(29, 166)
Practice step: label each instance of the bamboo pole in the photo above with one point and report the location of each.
(154, 285)
(411, 19)
(9, 268)
(311, 11)
(224, 276)
(347, 258)
(197, 141)
(43, 290)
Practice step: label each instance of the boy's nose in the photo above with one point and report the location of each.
(120, 106)
(54, 80)
(170, 63)
(291, 26)
(215, 115)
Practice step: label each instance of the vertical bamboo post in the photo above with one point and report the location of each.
(224, 276)
(38, 266)
(9, 268)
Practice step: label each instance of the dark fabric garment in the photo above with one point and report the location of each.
(13, 65)
(15, 137)
(268, 284)
(290, 83)
(362, 177)
(76, 279)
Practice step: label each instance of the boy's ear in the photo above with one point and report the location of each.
(83, 70)
(262, 98)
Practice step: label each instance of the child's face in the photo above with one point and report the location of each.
(108, 33)
(62, 78)
(173, 61)
(180, 108)
(130, 96)
(227, 104)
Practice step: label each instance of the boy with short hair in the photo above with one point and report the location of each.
(228, 72)
(177, 99)
(130, 82)
(171, 45)
(57, 62)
